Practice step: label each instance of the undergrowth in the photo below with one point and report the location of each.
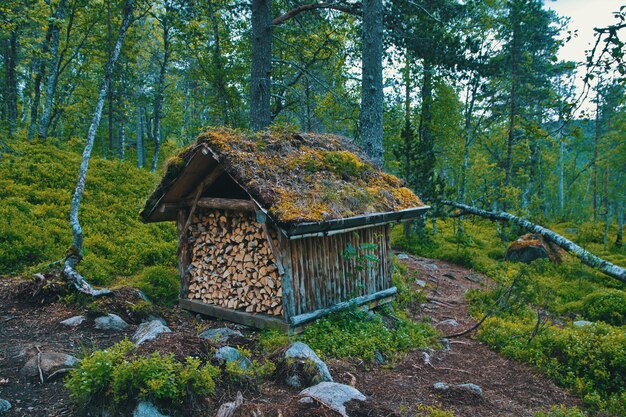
(531, 308)
(36, 185)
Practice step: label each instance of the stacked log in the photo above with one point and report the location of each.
(233, 265)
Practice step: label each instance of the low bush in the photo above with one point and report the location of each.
(160, 284)
(608, 305)
(561, 411)
(356, 334)
(116, 375)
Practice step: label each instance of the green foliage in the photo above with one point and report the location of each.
(116, 375)
(94, 374)
(35, 191)
(607, 305)
(430, 411)
(357, 334)
(159, 283)
(271, 340)
(591, 360)
(561, 411)
(252, 375)
(407, 296)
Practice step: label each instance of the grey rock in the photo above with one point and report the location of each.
(582, 323)
(420, 283)
(571, 230)
(147, 409)
(110, 322)
(432, 267)
(152, 317)
(229, 354)
(448, 322)
(299, 350)
(333, 395)
(149, 330)
(441, 386)
(49, 362)
(74, 321)
(426, 358)
(471, 388)
(4, 406)
(220, 335)
(402, 256)
(379, 358)
(445, 344)
(294, 381)
(306, 400)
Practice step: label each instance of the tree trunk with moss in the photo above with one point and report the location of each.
(75, 253)
(586, 257)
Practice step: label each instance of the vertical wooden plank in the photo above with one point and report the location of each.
(304, 304)
(286, 280)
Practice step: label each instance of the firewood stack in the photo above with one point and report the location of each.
(232, 263)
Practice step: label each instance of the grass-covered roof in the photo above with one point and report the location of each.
(297, 177)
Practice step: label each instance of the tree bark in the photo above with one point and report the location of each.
(586, 257)
(10, 64)
(141, 157)
(53, 68)
(160, 88)
(40, 69)
(261, 69)
(620, 224)
(75, 253)
(372, 100)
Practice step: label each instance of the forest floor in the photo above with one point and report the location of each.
(509, 388)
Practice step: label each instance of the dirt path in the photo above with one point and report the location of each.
(509, 388)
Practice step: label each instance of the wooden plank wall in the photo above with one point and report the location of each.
(322, 276)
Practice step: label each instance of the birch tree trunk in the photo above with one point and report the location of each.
(620, 224)
(158, 98)
(75, 253)
(141, 157)
(10, 65)
(586, 257)
(53, 68)
(40, 68)
(372, 99)
(261, 67)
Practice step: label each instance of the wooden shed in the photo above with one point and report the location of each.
(277, 229)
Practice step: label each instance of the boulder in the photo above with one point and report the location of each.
(74, 321)
(149, 330)
(530, 247)
(468, 390)
(111, 322)
(229, 354)
(49, 362)
(302, 366)
(4, 406)
(582, 323)
(147, 409)
(448, 322)
(333, 395)
(220, 335)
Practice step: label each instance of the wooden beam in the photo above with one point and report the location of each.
(259, 321)
(226, 204)
(379, 296)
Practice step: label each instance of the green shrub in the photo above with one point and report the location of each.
(356, 334)
(271, 340)
(116, 375)
(590, 360)
(161, 284)
(94, 374)
(561, 411)
(431, 411)
(607, 305)
(250, 376)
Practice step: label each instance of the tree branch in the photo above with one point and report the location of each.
(350, 9)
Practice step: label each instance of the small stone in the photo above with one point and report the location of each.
(49, 362)
(73, 321)
(432, 267)
(582, 323)
(426, 358)
(220, 335)
(4, 406)
(149, 330)
(472, 388)
(333, 395)
(229, 354)
(306, 400)
(147, 409)
(293, 381)
(402, 256)
(445, 344)
(448, 275)
(379, 358)
(299, 350)
(441, 386)
(420, 283)
(448, 322)
(110, 322)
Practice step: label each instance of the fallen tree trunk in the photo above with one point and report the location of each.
(585, 256)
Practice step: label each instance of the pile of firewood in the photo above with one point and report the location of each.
(232, 263)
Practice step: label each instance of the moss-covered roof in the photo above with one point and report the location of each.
(297, 177)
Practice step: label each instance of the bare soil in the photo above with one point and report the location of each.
(509, 388)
